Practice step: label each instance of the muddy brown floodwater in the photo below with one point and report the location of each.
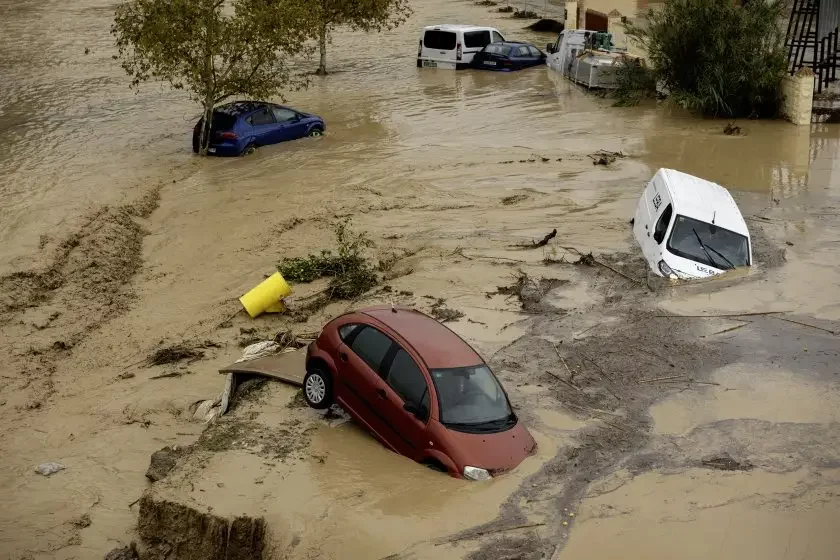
(115, 240)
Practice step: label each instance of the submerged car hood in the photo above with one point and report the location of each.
(497, 452)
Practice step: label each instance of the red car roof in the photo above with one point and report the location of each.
(437, 345)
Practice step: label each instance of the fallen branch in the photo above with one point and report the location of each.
(561, 380)
(544, 241)
(597, 365)
(730, 329)
(556, 351)
(596, 410)
(805, 325)
(692, 381)
(657, 379)
(489, 531)
(132, 503)
(589, 257)
(749, 314)
(166, 375)
(486, 257)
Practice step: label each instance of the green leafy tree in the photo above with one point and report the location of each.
(363, 15)
(715, 56)
(213, 49)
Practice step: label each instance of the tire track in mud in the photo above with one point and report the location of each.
(45, 313)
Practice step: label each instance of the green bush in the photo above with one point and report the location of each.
(716, 57)
(351, 273)
(634, 82)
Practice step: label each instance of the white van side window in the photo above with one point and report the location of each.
(662, 224)
(476, 39)
(497, 38)
(439, 40)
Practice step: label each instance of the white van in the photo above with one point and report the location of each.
(453, 46)
(689, 227)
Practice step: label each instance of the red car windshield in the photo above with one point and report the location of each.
(471, 396)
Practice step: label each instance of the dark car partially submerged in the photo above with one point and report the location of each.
(508, 55)
(242, 126)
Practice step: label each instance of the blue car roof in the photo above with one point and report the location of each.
(242, 107)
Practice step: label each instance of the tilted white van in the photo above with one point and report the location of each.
(688, 227)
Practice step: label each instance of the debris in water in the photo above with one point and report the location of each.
(168, 375)
(725, 462)
(604, 157)
(731, 130)
(530, 292)
(586, 260)
(514, 199)
(48, 469)
(486, 3)
(444, 314)
(82, 522)
(506, 9)
(544, 241)
(525, 14)
(173, 354)
(547, 26)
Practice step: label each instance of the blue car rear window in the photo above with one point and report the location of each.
(503, 50)
(223, 121)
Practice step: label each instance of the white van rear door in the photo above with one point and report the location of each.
(439, 45)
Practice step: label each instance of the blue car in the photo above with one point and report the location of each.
(508, 55)
(242, 126)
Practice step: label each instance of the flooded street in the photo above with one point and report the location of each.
(115, 240)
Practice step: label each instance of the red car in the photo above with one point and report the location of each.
(419, 389)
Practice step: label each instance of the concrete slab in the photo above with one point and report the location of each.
(289, 367)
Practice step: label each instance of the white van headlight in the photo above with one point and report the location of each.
(475, 473)
(666, 270)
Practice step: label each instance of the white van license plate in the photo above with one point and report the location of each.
(429, 64)
(490, 62)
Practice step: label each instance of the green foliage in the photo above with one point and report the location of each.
(212, 49)
(634, 82)
(363, 15)
(352, 274)
(717, 57)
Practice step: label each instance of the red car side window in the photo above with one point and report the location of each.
(406, 379)
(345, 332)
(371, 346)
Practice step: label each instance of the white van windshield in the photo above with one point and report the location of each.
(708, 244)
(439, 40)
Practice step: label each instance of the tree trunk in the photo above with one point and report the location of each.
(204, 136)
(322, 44)
(209, 84)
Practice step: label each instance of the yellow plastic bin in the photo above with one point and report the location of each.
(266, 296)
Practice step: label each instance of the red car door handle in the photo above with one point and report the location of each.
(343, 356)
(381, 393)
